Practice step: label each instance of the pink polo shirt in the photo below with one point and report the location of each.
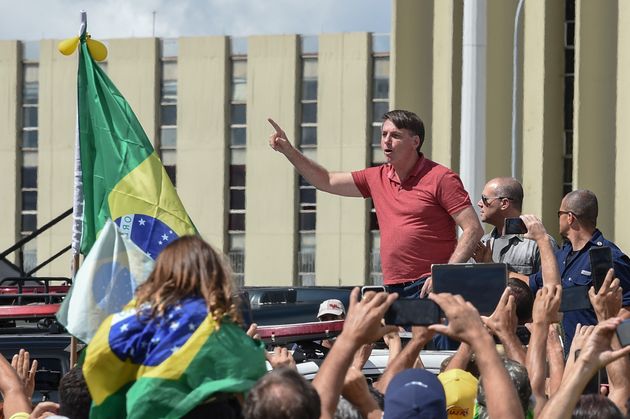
(415, 217)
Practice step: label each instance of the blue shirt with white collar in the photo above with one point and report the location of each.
(577, 271)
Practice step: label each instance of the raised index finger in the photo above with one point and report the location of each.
(275, 126)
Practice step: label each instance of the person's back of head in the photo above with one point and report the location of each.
(74, 396)
(520, 379)
(282, 394)
(523, 298)
(190, 267)
(583, 203)
(227, 406)
(508, 187)
(596, 406)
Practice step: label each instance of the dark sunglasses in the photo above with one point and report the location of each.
(487, 200)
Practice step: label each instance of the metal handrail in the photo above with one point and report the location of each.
(19, 246)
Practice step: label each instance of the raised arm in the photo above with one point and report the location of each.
(607, 303)
(502, 323)
(544, 313)
(338, 183)
(549, 265)
(362, 325)
(421, 335)
(465, 325)
(472, 232)
(595, 354)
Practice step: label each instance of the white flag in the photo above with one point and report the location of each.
(105, 282)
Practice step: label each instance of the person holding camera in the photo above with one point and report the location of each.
(501, 200)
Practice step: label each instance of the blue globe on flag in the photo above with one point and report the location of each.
(148, 233)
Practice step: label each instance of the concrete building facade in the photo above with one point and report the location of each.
(205, 101)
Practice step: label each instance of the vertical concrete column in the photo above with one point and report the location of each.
(447, 81)
(344, 64)
(543, 66)
(57, 137)
(411, 61)
(270, 223)
(593, 116)
(499, 71)
(622, 135)
(202, 170)
(133, 66)
(9, 140)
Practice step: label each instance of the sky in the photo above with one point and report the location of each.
(59, 19)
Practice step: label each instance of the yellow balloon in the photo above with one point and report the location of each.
(97, 49)
(68, 46)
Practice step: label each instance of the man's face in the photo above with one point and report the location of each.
(490, 210)
(330, 317)
(397, 144)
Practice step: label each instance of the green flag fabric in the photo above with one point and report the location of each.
(123, 178)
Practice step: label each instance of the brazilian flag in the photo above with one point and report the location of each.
(163, 367)
(123, 178)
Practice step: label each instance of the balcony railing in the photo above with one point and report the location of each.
(237, 262)
(306, 268)
(376, 274)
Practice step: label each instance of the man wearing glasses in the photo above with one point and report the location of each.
(418, 203)
(577, 220)
(503, 198)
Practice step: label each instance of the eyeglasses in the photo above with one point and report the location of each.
(487, 200)
(560, 213)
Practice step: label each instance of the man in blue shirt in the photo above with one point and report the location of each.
(577, 218)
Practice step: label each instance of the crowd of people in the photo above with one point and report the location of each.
(179, 348)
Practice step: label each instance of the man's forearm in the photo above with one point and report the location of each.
(561, 405)
(404, 360)
(548, 262)
(466, 245)
(536, 356)
(314, 173)
(513, 347)
(329, 380)
(501, 397)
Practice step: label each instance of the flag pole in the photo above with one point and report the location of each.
(77, 226)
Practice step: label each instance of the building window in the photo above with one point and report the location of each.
(569, 73)
(307, 199)
(237, 151)
(380, 105)
(167, 146)
(29, 149)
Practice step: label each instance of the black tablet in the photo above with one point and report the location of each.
(480, 283)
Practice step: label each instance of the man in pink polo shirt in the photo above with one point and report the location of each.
(418, 203)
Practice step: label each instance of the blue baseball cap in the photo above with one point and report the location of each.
(415, 393)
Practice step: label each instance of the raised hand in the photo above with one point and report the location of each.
(607, 301)
(278, 139)
(547, 304)
(464, 321)
(280, 357)
(503, 320)
(535, 228)
(26, 370)
(483, 252)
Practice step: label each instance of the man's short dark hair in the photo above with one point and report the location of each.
(74, 396)
(282, 394)
(583, 203)
(407, 120)
(509, 187)
(596, 406)
(523, 298)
